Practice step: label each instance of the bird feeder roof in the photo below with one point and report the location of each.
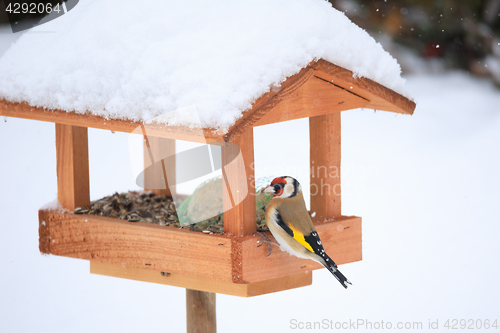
(187, 68)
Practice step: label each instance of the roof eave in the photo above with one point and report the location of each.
(377, 96)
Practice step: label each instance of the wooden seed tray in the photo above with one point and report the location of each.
(217, 263)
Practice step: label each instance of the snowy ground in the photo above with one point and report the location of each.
(427, 187)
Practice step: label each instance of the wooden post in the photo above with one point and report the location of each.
(155, 174)
(72, 166)
(200, 312)
(325, 140)
(238, 179)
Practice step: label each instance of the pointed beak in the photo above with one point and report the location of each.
(269, 189)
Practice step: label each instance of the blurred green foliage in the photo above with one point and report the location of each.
(465, 34)
(461, 32)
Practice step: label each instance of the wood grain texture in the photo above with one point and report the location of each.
(266, 102)
(159, 176)
(279, 284)
(315, 97)
(213, 286)
(236, 259)
(25, 111)
(341, 239)
(139, 245)
(72, 155)
(381, 98)
(214, 263)
(325, 144)
(44, 239)
(238, 192)
(200, 312)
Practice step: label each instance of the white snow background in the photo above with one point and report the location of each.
(430, 223)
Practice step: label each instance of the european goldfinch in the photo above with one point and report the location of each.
(289, 222)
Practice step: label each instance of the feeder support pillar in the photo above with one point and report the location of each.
(238, 185)
(200, 312)
(72, 153)
(157, 166)
(325, 140)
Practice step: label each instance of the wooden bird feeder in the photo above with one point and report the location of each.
(233, 263)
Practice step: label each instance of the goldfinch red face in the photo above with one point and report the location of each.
(283, 187)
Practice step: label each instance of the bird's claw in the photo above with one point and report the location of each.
(264, 238)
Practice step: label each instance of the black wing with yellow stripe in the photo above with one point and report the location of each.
(311, 242)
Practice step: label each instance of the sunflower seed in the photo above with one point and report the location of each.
(80, 210)
(133, 218)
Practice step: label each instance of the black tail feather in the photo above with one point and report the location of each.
(332, 267)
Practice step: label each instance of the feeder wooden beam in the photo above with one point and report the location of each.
(156, 169)
(224, 259)
(237, 186)
(341, 239)
(25, 111)
(72, 166)
(320, 88)
(141, 245)
(317, 89)
(380, 97)
(325, 143)
(314, 98)
(213, 286)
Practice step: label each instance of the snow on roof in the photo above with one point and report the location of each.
(125, 59)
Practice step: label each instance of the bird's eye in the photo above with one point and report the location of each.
(278, 189)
